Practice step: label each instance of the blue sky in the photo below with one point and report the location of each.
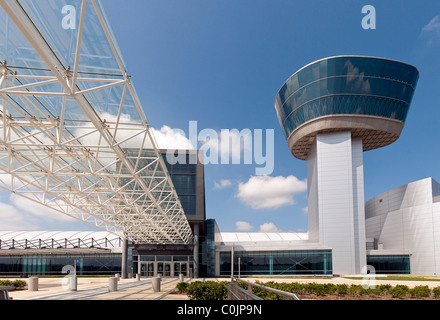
(221, 63)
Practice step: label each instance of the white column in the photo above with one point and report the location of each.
(336, 199)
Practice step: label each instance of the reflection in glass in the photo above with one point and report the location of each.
(346, 85)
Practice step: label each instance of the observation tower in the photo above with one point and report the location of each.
(331, 111)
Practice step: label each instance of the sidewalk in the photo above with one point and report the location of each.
(97, 289)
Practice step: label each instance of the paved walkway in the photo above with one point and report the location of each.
(97, 289)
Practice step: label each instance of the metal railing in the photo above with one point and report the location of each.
(235, 292)
(60, 243)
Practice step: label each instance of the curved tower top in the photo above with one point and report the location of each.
(368, 96)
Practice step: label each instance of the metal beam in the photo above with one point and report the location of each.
(83, 169)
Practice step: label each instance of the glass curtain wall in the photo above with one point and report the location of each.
(390, 264)
(346, 85)
(52, 264)
(277, 262)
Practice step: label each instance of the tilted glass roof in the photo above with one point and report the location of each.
(69, 113)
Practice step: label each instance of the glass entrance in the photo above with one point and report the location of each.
(180, 267)
(171, 267)
(164, 268)
(147, 269)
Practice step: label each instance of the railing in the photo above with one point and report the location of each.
(60, 243)
(235, 292)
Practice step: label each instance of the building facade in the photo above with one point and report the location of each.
(47, 253)
(401, 238)
(186, 170)
(331, 111)
(404, 223)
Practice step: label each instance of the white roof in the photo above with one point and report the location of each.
(260, 241)
(262, 236)
(56, 235)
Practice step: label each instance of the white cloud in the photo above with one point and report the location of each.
(168, 138)
(431, 31)
(269, 227)
(222, 184)
(13, 219)
(243, 226)
(433, 25)
(231, 145)
(266, 192)
(39, 210)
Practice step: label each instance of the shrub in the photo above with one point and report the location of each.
(342, 289)
(208, 290)
(355, 290)
(7, 283)
(19, 283)
(264, 294)
(399, 291)
(15, 283)
(182, 287)
(420, 291)
(329, 288)
(436, 292)
(319, 290)
(383, 289)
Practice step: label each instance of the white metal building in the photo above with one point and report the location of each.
(406, 220)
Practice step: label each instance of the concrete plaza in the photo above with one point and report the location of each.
(97, 288)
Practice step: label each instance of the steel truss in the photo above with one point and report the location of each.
(61, 148)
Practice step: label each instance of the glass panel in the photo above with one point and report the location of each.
(167, 269)
(143, 269)
(389, 264)
(277, 262)
(184, 268)
(160, 268)
(346, 85)
(150, 269)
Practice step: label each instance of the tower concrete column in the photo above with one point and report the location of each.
(336, 199)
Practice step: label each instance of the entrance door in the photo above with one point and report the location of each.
(184, 268)
(180, 267)
(150, 269)
(167, 271)
(147, 269)
(164, 268)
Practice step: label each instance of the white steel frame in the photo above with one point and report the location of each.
(44, 159)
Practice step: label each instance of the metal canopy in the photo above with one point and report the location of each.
(73, 134)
